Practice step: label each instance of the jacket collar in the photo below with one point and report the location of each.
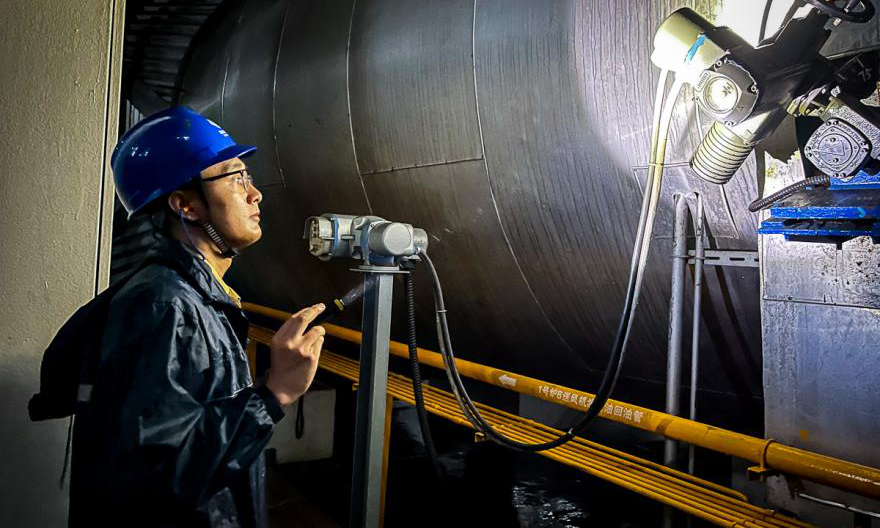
(192, 264)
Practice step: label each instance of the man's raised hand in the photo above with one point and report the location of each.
(294, 354)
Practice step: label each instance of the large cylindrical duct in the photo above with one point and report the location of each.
(517, 134)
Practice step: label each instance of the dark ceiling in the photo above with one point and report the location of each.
(157, 36)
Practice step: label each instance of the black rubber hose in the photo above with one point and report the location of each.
(612, 369)
(469, 408)
(409, 290)
(816, 181)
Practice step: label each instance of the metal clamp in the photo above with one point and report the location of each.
(762, 470)
(715, 257)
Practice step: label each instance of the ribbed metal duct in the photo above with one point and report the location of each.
(516, 133)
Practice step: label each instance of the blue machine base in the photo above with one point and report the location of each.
(836, 214)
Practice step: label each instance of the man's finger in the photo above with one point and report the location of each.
(301, 310)
(294, 327)
(317, 347)
(308, 340)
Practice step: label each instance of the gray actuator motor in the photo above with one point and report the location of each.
(372, 239)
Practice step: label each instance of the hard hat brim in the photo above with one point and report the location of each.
(235, 151)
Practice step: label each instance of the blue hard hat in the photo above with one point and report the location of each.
(165, 151)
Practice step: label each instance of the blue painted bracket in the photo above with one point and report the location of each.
(838, 213)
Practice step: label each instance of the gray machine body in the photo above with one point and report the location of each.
(821, 311)
(516, 133)
(821, 337)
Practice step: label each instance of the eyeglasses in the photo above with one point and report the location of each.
(242, 176)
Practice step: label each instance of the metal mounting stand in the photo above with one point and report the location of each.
(369, 428)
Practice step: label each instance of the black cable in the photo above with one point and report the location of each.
(469, 409)
(795, 6)
(822, 180)
(762, 33)
(409, 289)
(612, 370)
(637, 266)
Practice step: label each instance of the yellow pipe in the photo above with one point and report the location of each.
(626, 473)
(822, 469)
(848, 476)
(617, 459)
(674, 492)
(706, 497)
(664, 494)
(443, 404)
(459, 419)
(543, 433)
(640, 480)
(251, 352)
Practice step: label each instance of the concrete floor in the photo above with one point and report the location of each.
(289, 508)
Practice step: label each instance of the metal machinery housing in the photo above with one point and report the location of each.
(516, 133)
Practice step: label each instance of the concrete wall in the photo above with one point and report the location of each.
(58, 114)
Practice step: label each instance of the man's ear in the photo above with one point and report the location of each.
(179, 201)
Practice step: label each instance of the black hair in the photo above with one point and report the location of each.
(159, 212)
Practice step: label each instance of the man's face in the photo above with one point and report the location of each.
(234, 211)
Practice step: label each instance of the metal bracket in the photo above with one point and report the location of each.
(716, 257)
(379, 269)
(759, 473)
(762, 471)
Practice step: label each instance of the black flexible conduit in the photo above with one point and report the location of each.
(469, 409)
(762, 34)
(662, 119)
(816, 181)
(409, 290)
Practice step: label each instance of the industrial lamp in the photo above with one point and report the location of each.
(744, 89)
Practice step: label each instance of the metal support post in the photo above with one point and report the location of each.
(699, 258)
(366, 489)
(676, 318)
(676, 323)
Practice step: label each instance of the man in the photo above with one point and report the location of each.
(173, 431)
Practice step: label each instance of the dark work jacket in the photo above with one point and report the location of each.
(174, 431)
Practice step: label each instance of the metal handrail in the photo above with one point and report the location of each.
(632, 473)
(706, 500)
(840, 474)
